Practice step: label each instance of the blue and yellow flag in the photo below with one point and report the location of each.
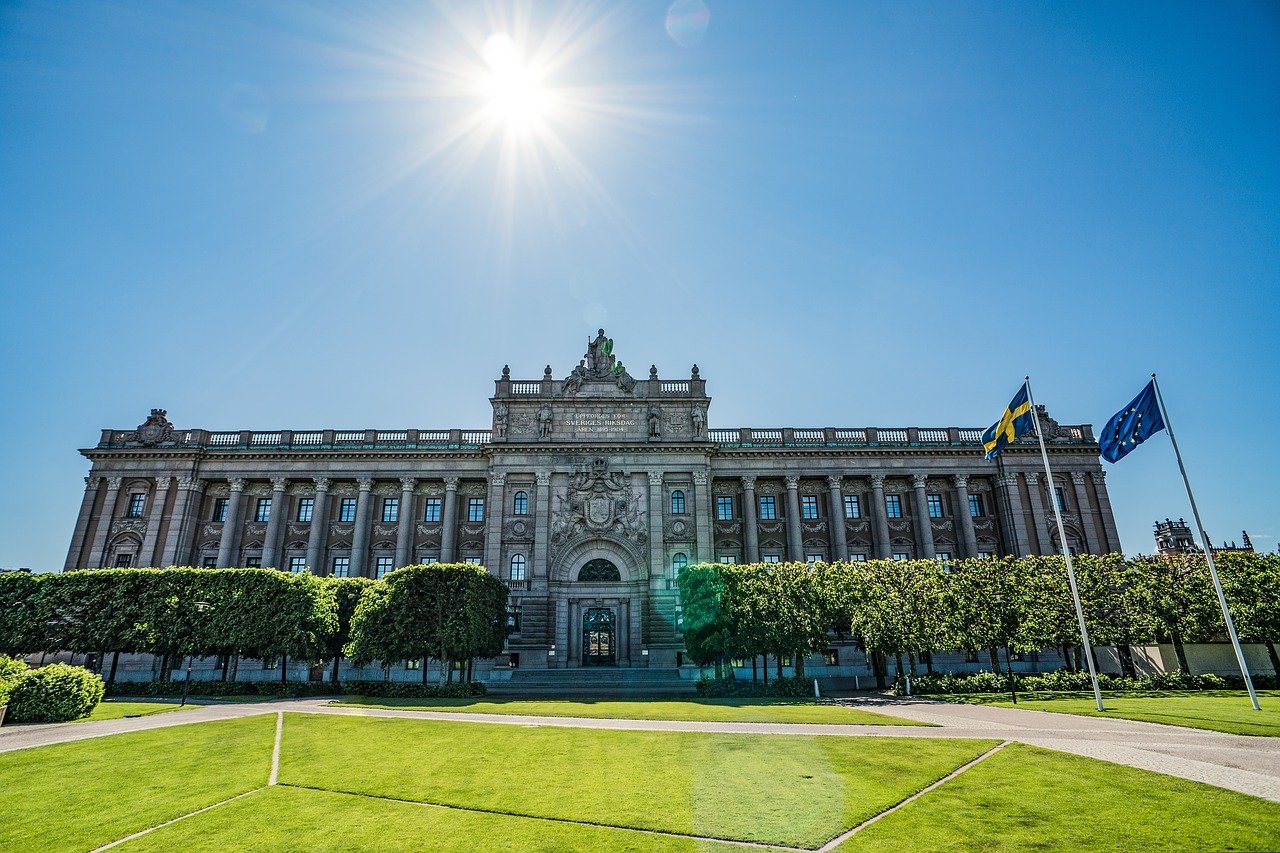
(1016, 422)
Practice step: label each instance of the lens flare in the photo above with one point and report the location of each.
(511, 88)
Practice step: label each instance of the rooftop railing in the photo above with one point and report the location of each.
(328, 439)
(879, 437)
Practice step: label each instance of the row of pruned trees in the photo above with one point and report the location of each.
(912, 608)
(443, 611)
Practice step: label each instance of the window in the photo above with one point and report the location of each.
(347, 510)
(738, 663)
(137, 501)
(943, 557)
(430, 561)
(893, 506)
(857, 558)
(383, 566)
(390, 510)
(306, 506)
(209, 563)
(219, 509)
(124, 561)
(475, 561)
(768, 507)
(831, 657)
(1061, 498)
(772, 558)
(253, 563)
(297, 565)
(728, 559)
(678, 564)
(432, 510)
(475, 509)
(935, 505)
(852, 506)
(416, 663)
(976, 509)
(813, 558)
(901, 556)
(514, 618)
(520, 503)
(518, 563)
(724, 508)
(677, 502)
(983, 555)
(809, 507)
(341, 567)
(263, 512)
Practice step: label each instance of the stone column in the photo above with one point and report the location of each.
(839, 539)
(879, 521)
(1007, 484)
(360, 537)
(147, 557)
(657, 557)
(449, 529)
(494, 511)
(795, 543)
(406, 522)
(231, 527)
(541, 525)
(924, 524)
(97, 553)
(1086, 514)
(185, 523)
(275, 523)
(1104, 509)
(968, 536)
(750, 524)
(1038, 512)
(91, 485)
(702, 506)
(318, 536)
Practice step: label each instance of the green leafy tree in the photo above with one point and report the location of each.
(347, 593)
(1251, 583)
(705, 618)
(1175, 595)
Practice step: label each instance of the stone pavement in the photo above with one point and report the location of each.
(1250, 765)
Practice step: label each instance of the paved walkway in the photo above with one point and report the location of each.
(1250, 765)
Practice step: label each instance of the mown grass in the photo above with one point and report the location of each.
(764, 710)
(78, 796)
(1218, 710)
(115, 710)
(781, 789)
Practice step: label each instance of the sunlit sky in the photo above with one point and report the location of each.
(265, 216)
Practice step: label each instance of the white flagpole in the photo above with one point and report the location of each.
(1066, 552)
(1208, 553)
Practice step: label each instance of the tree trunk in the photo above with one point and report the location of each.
(1275, 659)
(778, 659)
(898, 659)
(995, 658)
(928, 661)
(234, 665)
(1125, 653)
(766, 670)
(911, 662)
(426, 671)
(754, 675)
(800, 664)
(441, 681)
(333, 676)
(878, 666)
(284, 671)
(1066, 658)
(115, 662)
(1181, 652)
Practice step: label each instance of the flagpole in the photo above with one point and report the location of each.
(1066, 552)
(1208, 553)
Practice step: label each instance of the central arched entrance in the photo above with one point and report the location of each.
(599, 637)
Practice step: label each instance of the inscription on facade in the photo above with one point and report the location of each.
(601, 422)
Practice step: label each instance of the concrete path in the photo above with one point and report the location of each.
(1250, 765)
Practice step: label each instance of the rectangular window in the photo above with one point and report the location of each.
(475, 561)
(727, 559)
(306, 506)
(852, 506)
(384, 565)
(416, 663)
(253, 563)
(347, 510)
(724, 508)
(772, 558)
(514, 619)
(1061, 498)
(831, 657)
(976, 509)
(813, 558)
(209, 563)
(893, 506)
(809, 507)
(901, 556)
(341, 567)
(297, 565)
(432, 510)
(983, 555)
(219, 509)
(858, 558)
(137, 501)
(390, 510)
(429, 561)
(263, 512)
(944, 557)
(768, 508)
(935, 505)
(475, 509)
(124, 561)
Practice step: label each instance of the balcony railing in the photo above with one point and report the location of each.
(877, 437)
(421, 439)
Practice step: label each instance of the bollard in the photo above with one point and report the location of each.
(907, 678)
(816, 693)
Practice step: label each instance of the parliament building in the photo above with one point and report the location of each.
(587, 495)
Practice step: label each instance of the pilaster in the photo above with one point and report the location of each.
(449, 528)
(405, 523)
(231, 527)
(795, 543)
(98, 552)
(750, 523)
(839, 538)
(318, 536)
(924, 524)
(271, 542)
(360, 536)
(880, 522)
(91, 486)
(159, 497)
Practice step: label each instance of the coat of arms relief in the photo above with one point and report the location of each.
(598, 502)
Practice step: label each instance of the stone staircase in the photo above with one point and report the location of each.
(596, 682)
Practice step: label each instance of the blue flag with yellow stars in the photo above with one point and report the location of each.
(1131, 426)
(1016, 422)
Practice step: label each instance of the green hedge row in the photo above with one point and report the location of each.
(1065, 680)
(733, 687)
(294, 689)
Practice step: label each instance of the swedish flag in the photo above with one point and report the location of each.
(1016, 422)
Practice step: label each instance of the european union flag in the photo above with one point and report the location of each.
(1016, 422)
(1132, 425)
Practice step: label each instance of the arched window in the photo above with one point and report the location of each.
(678, 562)
(517, 567)
(677, 502)
(520, 503)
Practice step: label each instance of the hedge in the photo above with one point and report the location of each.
(294, 689)
(733, 687)
(1065, 680)
(57, 693)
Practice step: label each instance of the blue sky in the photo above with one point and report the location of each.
(257, 216)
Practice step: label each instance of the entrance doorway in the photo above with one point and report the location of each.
(599, 646)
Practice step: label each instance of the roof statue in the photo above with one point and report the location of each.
(598, 364)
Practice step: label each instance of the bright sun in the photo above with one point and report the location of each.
(511, 87)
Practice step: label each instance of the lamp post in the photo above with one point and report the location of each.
(998, 598)
(201, 607)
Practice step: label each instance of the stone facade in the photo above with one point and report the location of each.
(587, 495)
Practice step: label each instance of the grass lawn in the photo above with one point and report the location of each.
(113, 709)
(1220, 710)
(699, 710)
(1024, 798)
(78, 796)
(781, 789)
